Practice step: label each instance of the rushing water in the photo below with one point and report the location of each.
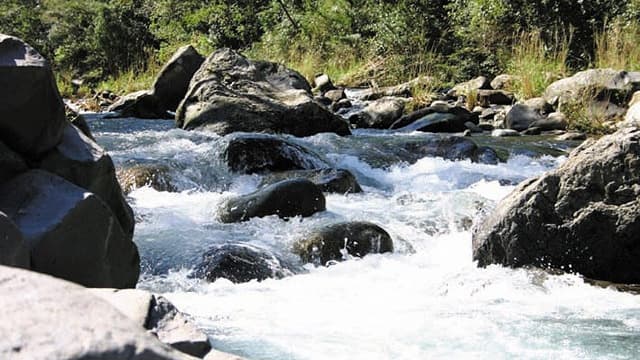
(427, 300)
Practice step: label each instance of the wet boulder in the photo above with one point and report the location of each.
(441, 118)
(449, 148)
(32, 117)
(71, 233)
(230, 93)
(155, 176)
(554, 121)
(339, 181)
(81, 161)
(334, 242)
(379, 114)
(172, 82)
(141, 104)
(521, 116)
(241, 263)
(13, 248)
(257, 153)
(288, 198)
(49, 318)
(583, 217)
(608, 85)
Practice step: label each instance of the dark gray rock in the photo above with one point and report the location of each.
(533, 130)
(11, 164)
(288, 198)
(355, 238)
(555, 121)
(241, 263)
(257, 153)
(81, 161)
(582, 217)
(435, 119)
(141, 104)
(520, 117)
(71, 233)
(449, 148)
(48, 318)
(230, 93)
(341, 104)
(172, 82)
(13, 248)
(495, 97)
(379, 114)
(329, 180)
(32, 116)
(539, 104)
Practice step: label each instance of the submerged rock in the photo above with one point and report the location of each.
(334, 242)
(241, 263)
(582, 217)
(230, 93)
(155, 176)
(257, 153)
(288, 198)
(329, 180)
(71, 233)
(32, 117)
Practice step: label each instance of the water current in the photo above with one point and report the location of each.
(427, 300)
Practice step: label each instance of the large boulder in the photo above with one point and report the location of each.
(521, 116)
(334, 242)
(32, 116)
(13, 248)
(339, 181)
(48, 318)
(632, 117)
(288, 198)
(479, 83)
(379, 114)
(230, 93)
(71, 233)
(81, 161)
(257, 153)
(600, 84)
(582, 217)
(172, 82)
(11, 164)
(241, 263)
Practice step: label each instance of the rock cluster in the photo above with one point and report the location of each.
(61, 208)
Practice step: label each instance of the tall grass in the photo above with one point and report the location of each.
(536, 63)
(618, 47)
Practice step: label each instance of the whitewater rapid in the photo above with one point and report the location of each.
(427, 300)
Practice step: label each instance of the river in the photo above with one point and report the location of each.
(427, 300)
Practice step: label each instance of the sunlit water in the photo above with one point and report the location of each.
(428, 300)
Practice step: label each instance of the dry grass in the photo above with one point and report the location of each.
(618, 47)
